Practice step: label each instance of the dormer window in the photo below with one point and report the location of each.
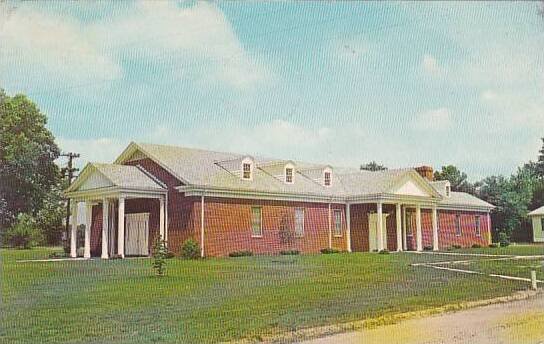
(448, 190)
(327, 178)
(289, 175)
(246, 170)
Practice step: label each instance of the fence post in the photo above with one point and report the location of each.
(533, 279)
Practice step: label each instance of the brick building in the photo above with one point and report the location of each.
(230, 202)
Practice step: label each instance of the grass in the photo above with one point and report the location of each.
(517, 268)
(213, 300)
(514, 249)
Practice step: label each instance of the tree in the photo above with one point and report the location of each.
(373, 166)
(457, 178)
(24, 233)
(539, 165)
(27, 155)
(160, 254)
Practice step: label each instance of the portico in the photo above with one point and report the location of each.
(109, 192)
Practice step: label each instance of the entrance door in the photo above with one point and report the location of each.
(136, 234)
(373, 231)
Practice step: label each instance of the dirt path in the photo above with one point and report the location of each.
(520, 322)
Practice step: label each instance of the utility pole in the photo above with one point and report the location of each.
(68, 172)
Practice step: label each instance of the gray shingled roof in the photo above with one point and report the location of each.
(199, 167)
(127, 176)
(537, 212)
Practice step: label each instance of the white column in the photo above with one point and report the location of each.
(121, 228)
(380, 226)
(404, 238)
(105, 228)
(489, 234)
(88, 224)
(202, 226)
(399, 227)
(73, 234)
(161, 219)
(435, 229)
(419, 239)
(348, 223)
(330, 227)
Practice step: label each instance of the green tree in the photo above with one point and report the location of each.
(539, 165)
(373, 166)
(24, 233)
(160, 254)
(457, 178)
(27, 155)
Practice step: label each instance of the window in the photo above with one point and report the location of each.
(458, 225)
(256, 222)
(289, 175)
(409, 223)
(478, 228)
(327, 179)
(337, 223)
(246, 170)
(299, 222)
(448, 190)
(542, 224)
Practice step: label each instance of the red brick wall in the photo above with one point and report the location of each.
(228, 226)
(96, 231)
(447, 231)
(359, 226)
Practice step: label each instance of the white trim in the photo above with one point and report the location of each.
(435, 228)
(162, 219)
(289, 166)
(334, 212)
(419, 235)
(121, 228)
(458, 225)
(398, 216)
(348, 226)
(88, 225)
(329, 171)
(247, 161)
(73, 233)
(105, 228)
(202, 254)
(330, 227)
(379, 225)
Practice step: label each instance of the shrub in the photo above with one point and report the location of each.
(330, 251)
(427, 248)
(160, 253)
(456, 246)
(504, 240)
(494, 245)
(55, 255)
(476, 246)
(241, 254)
(383, 252)
(24, 233)
(190, 249)
(290, 252)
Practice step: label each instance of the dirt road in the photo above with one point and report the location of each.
(519, 322)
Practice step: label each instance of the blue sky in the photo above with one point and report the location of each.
(344, 83)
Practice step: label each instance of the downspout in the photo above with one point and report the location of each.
(202, 226)
(330, 228)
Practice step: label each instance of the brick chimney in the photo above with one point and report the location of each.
(426, 172)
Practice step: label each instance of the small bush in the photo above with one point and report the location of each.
(159, 256)
(494, 245)
(290, 253)
(427, 248)
(56, 255)
(190, 249)
(24, 233)
(504, 240)
(330, 251)
(383, 252)
(241, 254)
(476, 246)
(456, 246)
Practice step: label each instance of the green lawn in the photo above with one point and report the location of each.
(514, 249)
(517, 268)
(214, 300)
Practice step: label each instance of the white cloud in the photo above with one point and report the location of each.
(196, 38)
(489, 96)
(198, 41)
(436, 119)
(49, 49)
(430, 65)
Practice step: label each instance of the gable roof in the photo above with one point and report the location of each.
(204, 169)
(123, 176)
(537, 212)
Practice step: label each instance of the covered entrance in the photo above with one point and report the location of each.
(375, 232)
(111, 189)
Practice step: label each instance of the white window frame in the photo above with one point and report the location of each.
(448, 190)
(253, 234)
(458, 229)
(300, 234)
(478, 225)
(249, 162)
(409, 224)
(337, 225)
(292, 168)
(325, 173)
